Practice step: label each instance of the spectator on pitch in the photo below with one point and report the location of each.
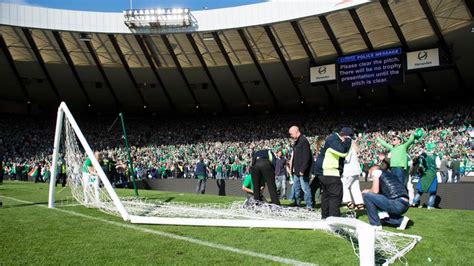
(247, 186)
(280, 174)
(329, 167)
(352, 195)
(456, 169)
(200, 172)
(387, 194)
(443, 168)
(90, 178)
(263, 170)
(301, 161)
(398, 155)
(428, 182)
(62, 173)
(315, 183)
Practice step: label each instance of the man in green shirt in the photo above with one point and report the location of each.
(247, 186)
(90, 179)
(398, 155)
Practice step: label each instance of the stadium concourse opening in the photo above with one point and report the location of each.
(360, 109)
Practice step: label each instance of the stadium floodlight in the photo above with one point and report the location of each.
(207, 36)
(85, 37)
(157, 18)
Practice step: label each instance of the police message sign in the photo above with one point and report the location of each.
(370, 69)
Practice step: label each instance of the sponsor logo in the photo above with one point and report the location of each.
(322, 70)
(422, 55)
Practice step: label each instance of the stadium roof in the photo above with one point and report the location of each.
(255, 56)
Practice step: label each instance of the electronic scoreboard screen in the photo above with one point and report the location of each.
(370, 69)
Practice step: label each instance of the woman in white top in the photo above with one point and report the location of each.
(350, 179)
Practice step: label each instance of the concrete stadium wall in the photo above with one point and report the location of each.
(450, 196)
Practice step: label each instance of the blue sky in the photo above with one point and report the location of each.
(120, 5)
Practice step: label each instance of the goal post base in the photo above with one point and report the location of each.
(316, 225)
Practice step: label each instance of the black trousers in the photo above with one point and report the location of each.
(331, 196)
(61, 178)
(315, 185)
(262, 171)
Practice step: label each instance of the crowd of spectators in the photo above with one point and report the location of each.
(170, 147)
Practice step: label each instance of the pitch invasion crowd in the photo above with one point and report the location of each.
(170, 147)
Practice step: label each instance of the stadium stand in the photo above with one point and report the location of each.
(169, 148)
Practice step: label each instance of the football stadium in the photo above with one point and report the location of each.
(302, 132)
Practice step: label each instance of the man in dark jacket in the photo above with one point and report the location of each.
(329, 167)
(389, 194)
(201, 174)
(301, 162)
(263, 170)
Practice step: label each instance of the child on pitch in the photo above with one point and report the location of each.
(90, 179)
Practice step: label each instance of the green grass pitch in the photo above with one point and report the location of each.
(30, 233)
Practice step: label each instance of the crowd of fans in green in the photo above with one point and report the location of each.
(169, 147)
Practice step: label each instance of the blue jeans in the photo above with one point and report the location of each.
(400, 173)
(395, 208)
(431, 199)
(302, 183)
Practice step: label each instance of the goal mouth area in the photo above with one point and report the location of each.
(91, 188)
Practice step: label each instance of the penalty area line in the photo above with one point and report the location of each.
(176, 237)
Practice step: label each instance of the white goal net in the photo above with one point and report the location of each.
(91, 188)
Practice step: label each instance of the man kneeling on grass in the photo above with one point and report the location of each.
(247, 186)
(388, 194)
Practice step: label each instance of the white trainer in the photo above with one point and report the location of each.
(404, 223)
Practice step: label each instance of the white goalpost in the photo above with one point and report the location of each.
(72, 149)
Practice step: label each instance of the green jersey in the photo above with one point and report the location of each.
(87, 164)
(398, 156)
(248, 182)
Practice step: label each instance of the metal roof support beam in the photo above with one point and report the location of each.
(335, 43)
(143, 43)
(206, 69)
(102, 72)
(470, 6)
(309, 54)
(331, 35)
(394, 23)
(368, 43)
(11, 62)
(361, 29)
(401, 37)
(38, 56)
(71, 65)
(258, 66)
(116, 46)
(180, 69)
(302, 40)
(231, 65)
(442, 41)
(274, 42)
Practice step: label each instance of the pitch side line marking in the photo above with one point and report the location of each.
(177, 237)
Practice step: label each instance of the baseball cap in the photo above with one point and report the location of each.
(347, 131)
